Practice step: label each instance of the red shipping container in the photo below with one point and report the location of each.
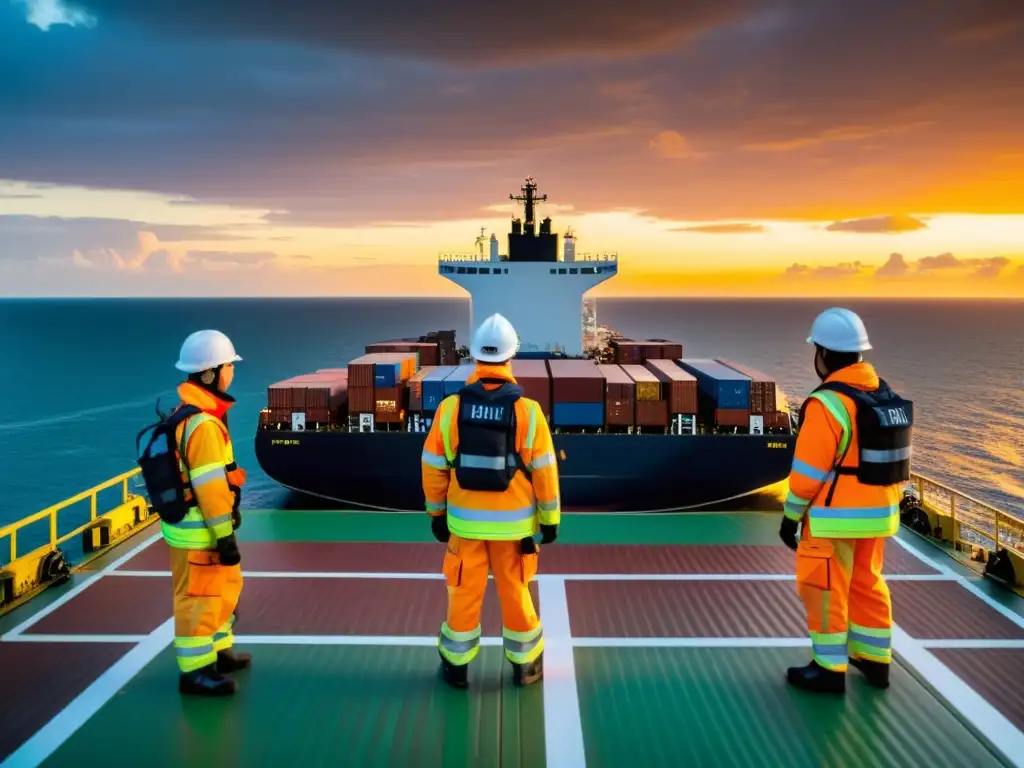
(416, 389)
(535, 379)
(389, 404)
(779, 420)
(681, 386)
(732, 417)
(628, 352)
(652, 413)
(575, 381)
(763, 389)
(428, 351)
(619, 396)
(361, 400)
(662, 349)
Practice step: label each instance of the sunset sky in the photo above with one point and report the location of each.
(727, 147)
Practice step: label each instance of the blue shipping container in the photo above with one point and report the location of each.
(456, 380)
(386, 374)
(433, 387)
(728, 389)
(578, 414)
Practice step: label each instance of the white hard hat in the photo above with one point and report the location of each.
(204, 350)
(495, 341)
(839, 330)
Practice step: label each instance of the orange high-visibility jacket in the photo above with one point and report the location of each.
(511, 514)
(857, 511)
(212, 472)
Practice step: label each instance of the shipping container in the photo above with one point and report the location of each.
(456, 380)
(662, 349)
(360, 400)
(720, 386)
(575, 381)
(762, 388)
(628, 352)
(679, 385)
(311, 390)
(648, 387)
(416, 388)
(578, 415)
(732, 417)
(652, 413)
(426, 351)
(535, 379)
(619, 396)
(339, 371)
(389, 404)
(433, 387)
(382, 369)
(780, 420)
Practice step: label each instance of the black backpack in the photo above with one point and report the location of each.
(159, 464)
(486, 459)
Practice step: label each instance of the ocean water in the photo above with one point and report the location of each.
(80, 378)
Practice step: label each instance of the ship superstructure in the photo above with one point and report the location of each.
(539, 292)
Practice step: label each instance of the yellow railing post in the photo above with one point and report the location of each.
(53, 529)
(997, 531)
(14, 546)
(92, 506)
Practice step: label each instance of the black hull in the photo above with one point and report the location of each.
(607, 472)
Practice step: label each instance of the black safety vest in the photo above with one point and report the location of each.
(885, 423)
(486, 459)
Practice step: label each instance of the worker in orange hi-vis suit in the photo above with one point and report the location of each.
(852, 455)
(490, 479)
(205, 563)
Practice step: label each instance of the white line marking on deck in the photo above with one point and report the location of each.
(691, 642)
(1016, 618)
(75, 591)
(561, 577)
(381, 640)
(563, 728)
(76, 639)
(961, 697)
(977, 644)
(63, 726)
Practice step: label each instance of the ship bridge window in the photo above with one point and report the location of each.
(506, 270)
(470, 270)
(573, 270)
(561, 271)
(460, 270)
(553, 270)
(587, 270)
(485, 270)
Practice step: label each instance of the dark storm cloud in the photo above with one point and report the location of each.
(282, 104)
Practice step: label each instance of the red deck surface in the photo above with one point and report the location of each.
(325, 557)
(943, 609)
(40, 679)
(996, 673)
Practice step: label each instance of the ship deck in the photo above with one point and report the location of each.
(668, 637)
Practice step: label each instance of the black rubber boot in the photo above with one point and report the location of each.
(875, 672)
(527, 674)
(206, 682)
(455, 675)
(817, 679)
(229, 661)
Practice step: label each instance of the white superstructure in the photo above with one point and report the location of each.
(540, 294)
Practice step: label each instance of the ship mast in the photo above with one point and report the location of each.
(529, 198)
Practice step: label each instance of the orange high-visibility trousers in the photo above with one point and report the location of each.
(849, 611)
(466, 566)
(205, 597)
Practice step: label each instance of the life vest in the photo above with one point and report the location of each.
(486, 459)
(885, 424)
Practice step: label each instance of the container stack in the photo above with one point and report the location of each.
(577, 393)
(639, 351)
(316, 396)
(535, 379)
(764, 394)
(427, 352)
(456, 380)
(681, 393)
(619, 397)
(724, 393)
(651, 406)
(377, 385)
(433, 388)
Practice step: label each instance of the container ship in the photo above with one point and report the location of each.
(637, 425)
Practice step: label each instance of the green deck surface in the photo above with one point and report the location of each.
(326, 704)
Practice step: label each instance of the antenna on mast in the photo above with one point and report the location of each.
(481, 240)
(529, 199)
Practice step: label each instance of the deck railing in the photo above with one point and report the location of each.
(974, 523)
(52, 513)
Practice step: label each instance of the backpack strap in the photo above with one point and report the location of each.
(839, 412)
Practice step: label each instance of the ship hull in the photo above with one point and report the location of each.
(607, 472)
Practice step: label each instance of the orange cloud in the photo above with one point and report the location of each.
(878, 225)
(724, 229)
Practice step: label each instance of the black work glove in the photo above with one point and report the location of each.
(528, 546)
(439, 527)
(787, 532)
(548, 534)
(236, 513)
(227, 548)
